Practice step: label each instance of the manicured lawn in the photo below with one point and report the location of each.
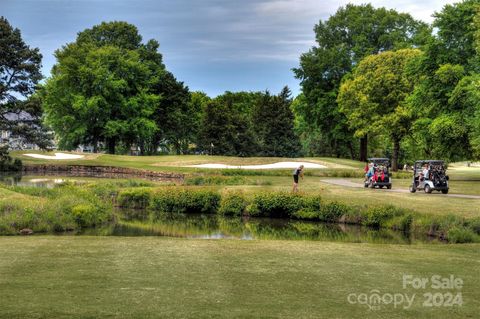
(152, 277)
(176, 163)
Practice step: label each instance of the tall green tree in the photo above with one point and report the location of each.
(446, 77)
(226, 130)
(273, 123)
(441, 121)
(454, 41)
(226, 123)
(102, 88)
(343, 40)
(20, 112)
(310, 136)
(373, 98)
(176, 117)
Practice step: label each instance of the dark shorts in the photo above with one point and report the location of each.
(295, 178)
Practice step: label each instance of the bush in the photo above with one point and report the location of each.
(378, 216)
(402, 222)
(277, 205)
(180, 201)
(7, 163)
(306, 214)
(45, 210)
(215, 180)
(474, 224)
(460, 235)
(87, 215)
(233, 203)
(282, 204)
(333, 212)
(134, 197)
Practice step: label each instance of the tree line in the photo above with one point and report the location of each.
(111, 91)
(377, 83)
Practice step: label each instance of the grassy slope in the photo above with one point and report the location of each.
(90, 277)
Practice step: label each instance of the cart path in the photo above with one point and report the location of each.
(348, 183)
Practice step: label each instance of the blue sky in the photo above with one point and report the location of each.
(211, 45)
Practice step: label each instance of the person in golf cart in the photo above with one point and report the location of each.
(378, 174)
(429, 175)
(423, 174)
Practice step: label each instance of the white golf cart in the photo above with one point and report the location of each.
(429, 175)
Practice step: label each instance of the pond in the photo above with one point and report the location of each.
(51, 179)
(247, 228)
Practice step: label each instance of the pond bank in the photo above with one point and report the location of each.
(79, 205)
(101, 171)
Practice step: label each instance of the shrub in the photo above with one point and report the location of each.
(378, 216)
(402, 222)
(185, 200)
(233, 203)
(134, 197)
(106, 191)
(332, 212)
(216, 180)
(474, 224)
(7, 163)
(278, 205)
(460, 235)
(306, 213)
(61, 208)
(86, 215)
(282, 204)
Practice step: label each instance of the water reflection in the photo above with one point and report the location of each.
(17, 179)
(50, 179)
(215, 227)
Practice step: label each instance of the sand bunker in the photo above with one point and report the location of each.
(290, 165)
(58, 156)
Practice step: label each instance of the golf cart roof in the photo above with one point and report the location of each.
(378, 159)
(433, 162)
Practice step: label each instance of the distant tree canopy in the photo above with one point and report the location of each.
(437, 111)
(374, 98)
(20, 112)
(445, 100)
(273, 124)
(352, 33)
(109, 88)
(246, 124)
(398, 86)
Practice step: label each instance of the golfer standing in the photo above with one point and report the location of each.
(296, 173)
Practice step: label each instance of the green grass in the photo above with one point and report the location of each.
(151, 277)
(176, 163)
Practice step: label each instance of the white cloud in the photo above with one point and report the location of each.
(247, 34)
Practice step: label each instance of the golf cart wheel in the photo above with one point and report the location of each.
(428, 189)
(444, 191)
(365, 185)
(412, 189)
(389, 186)
(381, 186)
